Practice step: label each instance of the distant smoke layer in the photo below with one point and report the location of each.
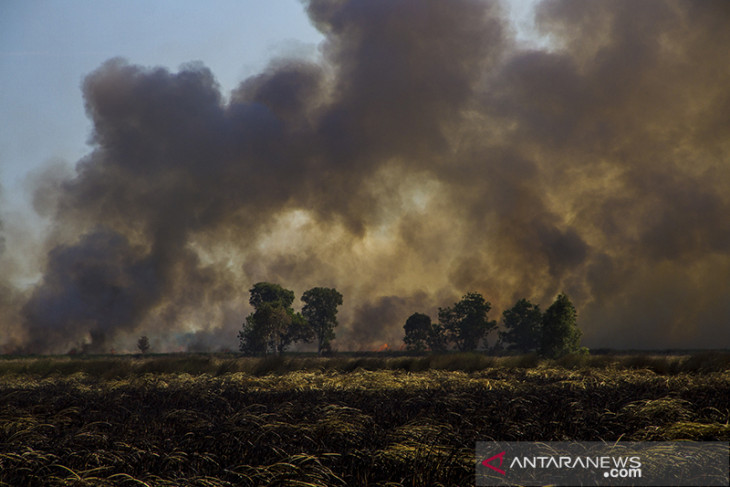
(426, 155)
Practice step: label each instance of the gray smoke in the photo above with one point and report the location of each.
(424, 156)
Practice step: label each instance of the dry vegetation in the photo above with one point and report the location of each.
(202, 420)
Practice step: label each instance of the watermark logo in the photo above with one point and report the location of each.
(488, 463)
(597, 463)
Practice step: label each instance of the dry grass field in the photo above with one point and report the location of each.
(220, 420)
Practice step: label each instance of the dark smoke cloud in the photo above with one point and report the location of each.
(96, 286)
(424, 156)
(367, 324)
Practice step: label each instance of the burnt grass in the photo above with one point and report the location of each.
(223, 420)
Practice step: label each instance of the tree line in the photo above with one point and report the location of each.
(464, 326)
(274, 325)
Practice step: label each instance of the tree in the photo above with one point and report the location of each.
(465, 323)
(417, 330)
(266, 292)
(273, 325)
(437, 340)
(254, 335)
(523, 327)
(143, 344)
(560, 333)
(320, 311)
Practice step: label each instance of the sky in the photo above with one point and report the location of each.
(48, 47)
(158, 158)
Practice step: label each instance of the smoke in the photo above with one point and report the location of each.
(2, 235)
(11, 298)
(5, 291)
(424, 155)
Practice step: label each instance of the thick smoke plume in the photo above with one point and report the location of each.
(425, 155)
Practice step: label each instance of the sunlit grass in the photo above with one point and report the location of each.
(110, 367)
(220, 420)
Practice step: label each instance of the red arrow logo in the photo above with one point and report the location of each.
(501, 459)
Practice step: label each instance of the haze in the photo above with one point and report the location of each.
(424, 151)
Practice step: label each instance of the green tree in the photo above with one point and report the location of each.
(320, 311)
(273, 325)
(437, 340)
(465, 324)
(253, 336)
(266, 292)
(417, 330)
(523, 327)
(560, 333)
(143, 344)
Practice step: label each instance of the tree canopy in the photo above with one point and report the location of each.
(266, 292)
(273, 325)
(320, 311)
(523, 327)
(465, 324)
(143, 344)
(417, 332)
(560, 333)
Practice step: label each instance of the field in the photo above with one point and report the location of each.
(218, 420)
